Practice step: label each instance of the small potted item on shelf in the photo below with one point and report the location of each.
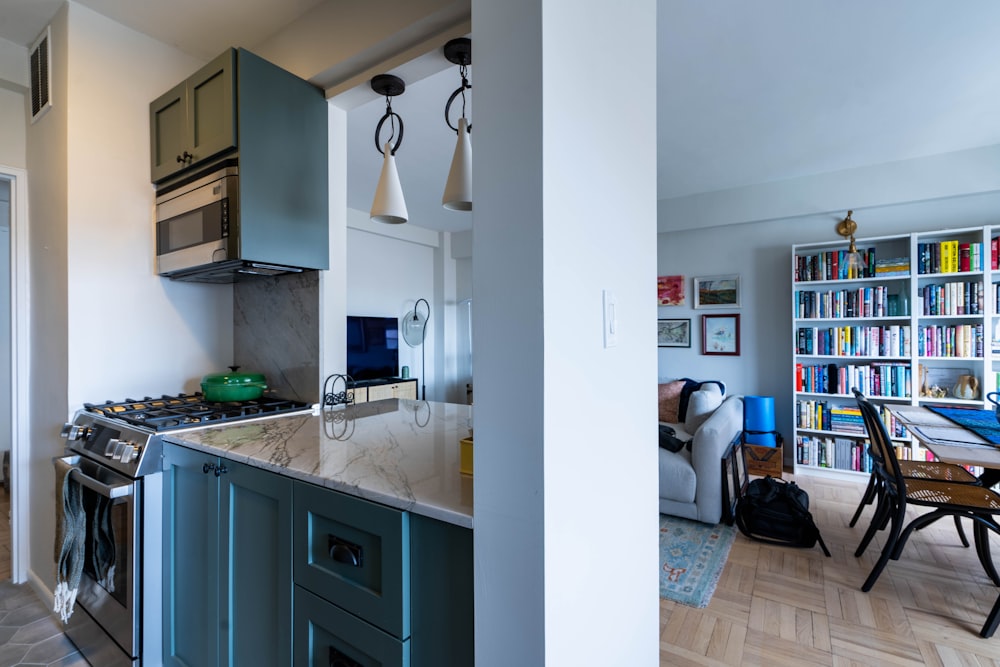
(967, 387)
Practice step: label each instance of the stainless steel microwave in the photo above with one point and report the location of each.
(198, 230)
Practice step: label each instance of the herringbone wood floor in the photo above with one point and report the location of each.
(783, 606)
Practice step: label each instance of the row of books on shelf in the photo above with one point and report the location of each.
(949, 257)
(953, 298)
(832, 265)
(859, 341)
(956, 340)
(826, 416)
(838, 453)
(874, 301)
(851, 454)
(886, 378)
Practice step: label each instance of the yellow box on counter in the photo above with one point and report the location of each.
(465, 456)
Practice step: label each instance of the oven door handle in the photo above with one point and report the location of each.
(115, 491)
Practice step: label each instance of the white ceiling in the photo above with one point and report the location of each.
(748, 92)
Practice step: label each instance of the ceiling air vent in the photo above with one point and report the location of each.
(41, 100)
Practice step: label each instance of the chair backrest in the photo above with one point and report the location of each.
(883, 453)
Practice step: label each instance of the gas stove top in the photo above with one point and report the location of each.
(170, 413)
(127, 436)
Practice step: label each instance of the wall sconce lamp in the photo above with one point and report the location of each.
(414, 331)
(855, 260)
(458, 188)
(389, 205)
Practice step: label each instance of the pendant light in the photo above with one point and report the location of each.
(458, 188)
(389, 205)
(855, 260)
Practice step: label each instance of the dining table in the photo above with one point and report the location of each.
(951, 442)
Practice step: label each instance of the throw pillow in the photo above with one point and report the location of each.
(669, 400)
(701, 405)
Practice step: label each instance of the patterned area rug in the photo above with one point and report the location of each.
(692, 555)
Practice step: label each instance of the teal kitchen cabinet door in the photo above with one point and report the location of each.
(195, 120)
(190, 558)
(256, 545)
(227, 570)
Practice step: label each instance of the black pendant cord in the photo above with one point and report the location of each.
(463, 70)
(392, 117)
(390, 86)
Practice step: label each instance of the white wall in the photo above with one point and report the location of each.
(761, 254)
(187, 327)
(91, 243)
(565, 208)
(388, 269)
(12, 135)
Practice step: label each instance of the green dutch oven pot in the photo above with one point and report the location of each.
(232, 387)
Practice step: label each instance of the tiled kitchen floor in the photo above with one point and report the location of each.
(29, 633)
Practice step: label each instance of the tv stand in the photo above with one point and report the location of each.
(377, 390)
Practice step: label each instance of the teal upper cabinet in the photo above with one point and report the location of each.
(195, 120)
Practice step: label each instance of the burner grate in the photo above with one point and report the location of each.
(187, 410)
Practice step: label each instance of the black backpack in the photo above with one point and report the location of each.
(777, 512)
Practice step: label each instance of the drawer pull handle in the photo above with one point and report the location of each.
(346, 552)
(339, 659)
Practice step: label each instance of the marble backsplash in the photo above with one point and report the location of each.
(276, 332)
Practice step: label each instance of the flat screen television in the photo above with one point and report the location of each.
(372, 347)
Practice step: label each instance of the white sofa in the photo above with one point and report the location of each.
(691, 481)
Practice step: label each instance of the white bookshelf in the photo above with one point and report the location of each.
(887, 334)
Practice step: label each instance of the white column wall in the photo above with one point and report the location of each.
(565, 207)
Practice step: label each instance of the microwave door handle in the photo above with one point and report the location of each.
(114, 491)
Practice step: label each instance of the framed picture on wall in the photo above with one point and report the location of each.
(670, 291)
(717, 291)
(720, 334)
(673, 333)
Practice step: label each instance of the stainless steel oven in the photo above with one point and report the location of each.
(114, 452)
(108, 602)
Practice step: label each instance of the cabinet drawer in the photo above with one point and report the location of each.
(326, 635)
(355, 554)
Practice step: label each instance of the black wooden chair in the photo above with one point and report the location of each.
(894, 492)
(932, 470)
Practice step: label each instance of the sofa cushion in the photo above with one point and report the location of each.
(701, 405)
(677, 477)
(669, 400)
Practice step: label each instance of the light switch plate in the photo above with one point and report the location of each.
(610, 318)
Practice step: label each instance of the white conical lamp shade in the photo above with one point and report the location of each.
(389, 205)
(458, 189)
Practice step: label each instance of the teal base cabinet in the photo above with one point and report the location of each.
(227, 562)
(327, 635)
(376, 586)
(260, 569)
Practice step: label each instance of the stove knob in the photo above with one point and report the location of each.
(133, 453)
(73, 432)
(111, 447)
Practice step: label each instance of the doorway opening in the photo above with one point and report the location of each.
(14, 357)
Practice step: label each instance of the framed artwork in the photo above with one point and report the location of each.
(673, 333)
(670, 290)
(720, 334)
(734, 479)
(717, 292)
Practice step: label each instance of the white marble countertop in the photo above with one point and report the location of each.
(398, 452)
